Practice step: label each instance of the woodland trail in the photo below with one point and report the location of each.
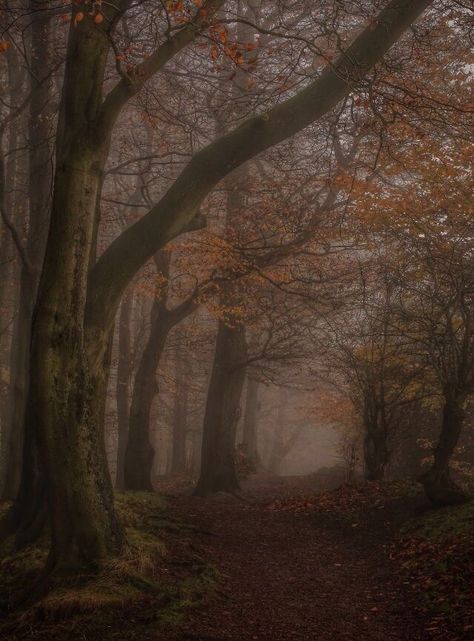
(287, 576)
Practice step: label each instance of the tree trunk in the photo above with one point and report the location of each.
(39, 194)
(218, 472)
(281, 447)
(375, 452)
(249, 440)
(180, 415)
(67, 386)
(139, 453)
(123, 387)
(437, 482)
(13, 205)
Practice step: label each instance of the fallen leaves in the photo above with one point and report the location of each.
(440, 574)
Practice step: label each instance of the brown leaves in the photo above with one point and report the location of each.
(440, 573)
(4, 46)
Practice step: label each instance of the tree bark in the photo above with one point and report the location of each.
(281, 447)
(249, 440)
(222, 413)
(39, 195)
(139, 453)
(124, 373)
(376, 454)
(13, 217)
(437, 482)
(67, 388)
(180, 416)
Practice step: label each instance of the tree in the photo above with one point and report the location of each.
(77, 301)
(438, 308)
(429, 262)
(139, 452)
(250, 426)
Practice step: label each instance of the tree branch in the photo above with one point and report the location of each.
(134, 80)
(178, 206)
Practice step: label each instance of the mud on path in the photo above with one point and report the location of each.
(288, 576)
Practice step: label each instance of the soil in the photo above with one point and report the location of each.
(295, 575)
(276, 567)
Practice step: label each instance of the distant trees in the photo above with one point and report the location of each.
(437, 309)
(250, 425)
(413, 342)
(139, 453)
(371, 357)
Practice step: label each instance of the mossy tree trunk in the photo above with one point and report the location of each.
(66, 388)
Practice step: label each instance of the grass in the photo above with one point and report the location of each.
(145, 592)
(443, 523)
(436, 561)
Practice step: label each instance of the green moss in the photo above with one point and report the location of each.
(145, 589)
(192, 592)
(139, 509)
(443, 523)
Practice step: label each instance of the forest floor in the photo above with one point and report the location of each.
(282, 562)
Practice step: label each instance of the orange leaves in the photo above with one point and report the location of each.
(95, 13)
(174, 6)
(4, 46)
(222, 45)
(79, 17)
(219, 32)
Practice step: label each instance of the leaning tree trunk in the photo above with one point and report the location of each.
(139, 453)
(249, 439)
(437, 482)
(218, 473)
(39, 195)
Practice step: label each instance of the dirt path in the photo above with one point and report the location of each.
(290, 577)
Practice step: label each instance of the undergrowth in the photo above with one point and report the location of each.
(144, 592)
(437, 562)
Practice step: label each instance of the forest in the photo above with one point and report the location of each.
(237, 320)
